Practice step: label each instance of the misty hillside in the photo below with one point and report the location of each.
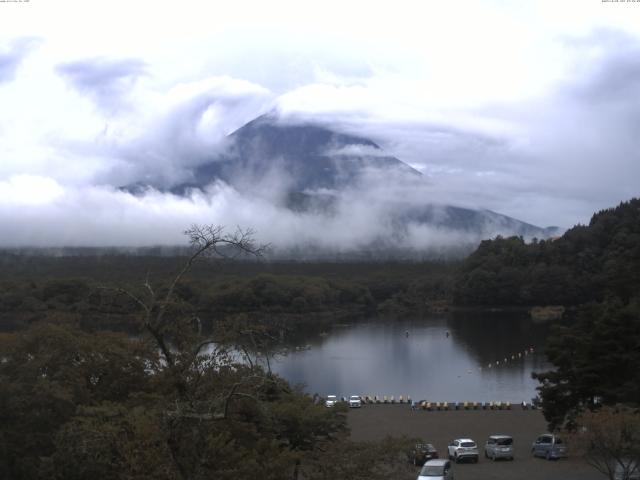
(312, 171)
(465, 220)
(469, 220)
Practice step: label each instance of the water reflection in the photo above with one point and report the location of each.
(379, 358)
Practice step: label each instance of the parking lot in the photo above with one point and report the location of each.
(373, 422)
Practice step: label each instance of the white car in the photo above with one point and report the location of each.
(331, 401)
(462, 448)
(355, 401)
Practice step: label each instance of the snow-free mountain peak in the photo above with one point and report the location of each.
(311, 156)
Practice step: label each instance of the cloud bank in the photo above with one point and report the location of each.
(543, 128)
(43, 213)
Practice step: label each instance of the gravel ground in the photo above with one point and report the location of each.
(373, 422)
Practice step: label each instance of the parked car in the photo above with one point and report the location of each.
(355, 401)
(436, 470)
(549, 446)
(422, 452)
(331, 401)
(463, 448)
(499, 446)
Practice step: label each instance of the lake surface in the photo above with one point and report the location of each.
(449, 357)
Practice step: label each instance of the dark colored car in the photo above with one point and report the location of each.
(422, 452)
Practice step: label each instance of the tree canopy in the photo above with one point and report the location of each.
(596, 362)
(170, 402)
(588, 263)
(596, 270)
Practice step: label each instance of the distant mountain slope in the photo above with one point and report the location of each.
(478, 223)
(470, 220)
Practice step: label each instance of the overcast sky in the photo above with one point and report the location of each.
(531, 109)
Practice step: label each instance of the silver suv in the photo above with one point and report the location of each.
(549, 446)
(499, 446)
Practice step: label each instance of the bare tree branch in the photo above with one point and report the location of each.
(205, 240)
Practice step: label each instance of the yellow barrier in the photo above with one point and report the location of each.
(429, 406)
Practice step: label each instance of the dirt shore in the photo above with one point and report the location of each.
(373, 422)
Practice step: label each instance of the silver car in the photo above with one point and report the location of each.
(438, 469)
(549, 446)
(499, 446)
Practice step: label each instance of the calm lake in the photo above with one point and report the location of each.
(453, 357)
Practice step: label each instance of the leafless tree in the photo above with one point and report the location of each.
(206, 241)
(609, 441)
(178, 338)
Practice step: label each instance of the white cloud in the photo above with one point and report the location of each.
(29, 191)
(525, 109)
